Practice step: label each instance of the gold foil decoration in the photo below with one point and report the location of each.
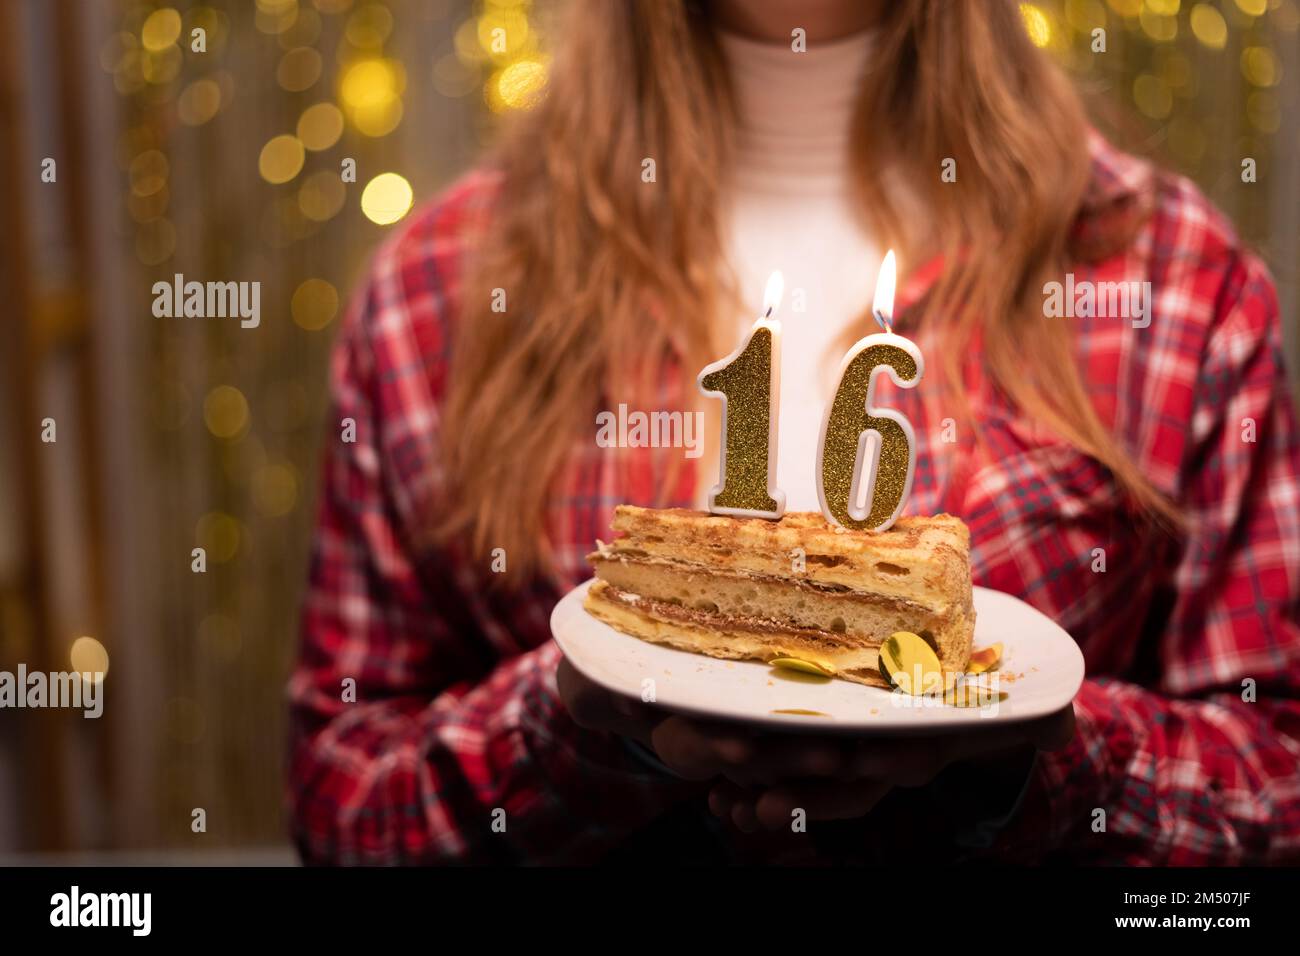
(910, 664)
(888, 461)
(971, 694)
(985, 659)
(807, 667)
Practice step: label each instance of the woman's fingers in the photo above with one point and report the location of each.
(594, 708)
(735, 805)
(699, 750)
(915, 761)
(786, 757)
(777, 808)
(780, 807)
(722, 797)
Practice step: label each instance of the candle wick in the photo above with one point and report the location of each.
(768, 313)
(884, 322)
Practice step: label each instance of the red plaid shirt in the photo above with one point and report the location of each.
(456, 714)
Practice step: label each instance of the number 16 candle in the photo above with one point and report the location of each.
(860, 443)
(749, 383)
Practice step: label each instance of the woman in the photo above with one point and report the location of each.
(1132, 475)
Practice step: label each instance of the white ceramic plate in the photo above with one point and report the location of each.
(1040, 673)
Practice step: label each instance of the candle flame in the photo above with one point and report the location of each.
(882, 305)
(772, 295)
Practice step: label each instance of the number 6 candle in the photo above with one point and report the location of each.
(749, 383)
(861, 443)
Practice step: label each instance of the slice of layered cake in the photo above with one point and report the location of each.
(800, 587)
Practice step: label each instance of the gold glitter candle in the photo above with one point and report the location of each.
(861, 443)
(749, 383)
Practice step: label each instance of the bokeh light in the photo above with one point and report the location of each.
(199, 102)
(275, 16)
(148, 172)
(386, 198)
(88, 656)
(219, 535)
(466, 43)
(503, 33)
(518, 86)
(369, 26)
(281, 158)
(1209, 27)
(371, 91)
(314, 304)
(115, 48)
(225, 411)
(1036, 24)
(163, 67)
(1159, 27)
(275, 489)
(298, 69)
(304, 31)
(160, 30)
(321, 196)
(215, 25)
(320, 126)
(1084, 15)
(1259, 66)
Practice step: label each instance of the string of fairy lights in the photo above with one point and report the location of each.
(498, 51)
(1173, 42)
(211, 187)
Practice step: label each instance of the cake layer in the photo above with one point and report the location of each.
(701, 632)
(856, 618)
(922, 560)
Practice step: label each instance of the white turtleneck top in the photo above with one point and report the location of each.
(790, 210)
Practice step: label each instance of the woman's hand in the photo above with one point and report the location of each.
(697, 749)
(766, 776)
(592, 707)
(870, 768)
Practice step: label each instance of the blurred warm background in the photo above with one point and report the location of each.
(225, 164)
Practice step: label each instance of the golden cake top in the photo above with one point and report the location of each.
(924, 559)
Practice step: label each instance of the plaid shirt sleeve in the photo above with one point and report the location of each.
(1202, 765)
(426, 722)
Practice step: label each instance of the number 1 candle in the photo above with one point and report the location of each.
(861, 443)
(749, 383)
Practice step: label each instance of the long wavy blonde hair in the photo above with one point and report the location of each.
(614, 275)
